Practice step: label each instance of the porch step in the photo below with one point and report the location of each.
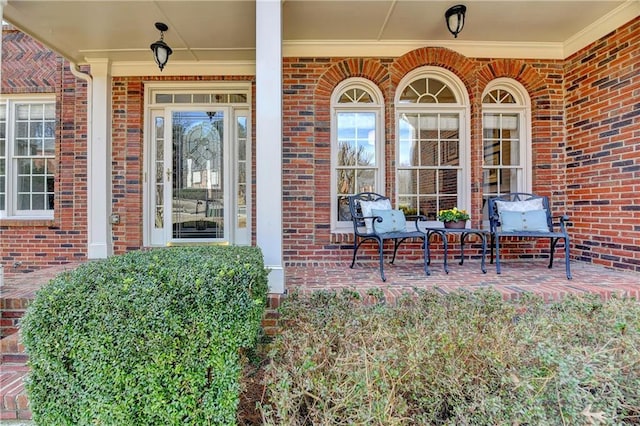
(13, 397)
(12, 350)
(11, 310)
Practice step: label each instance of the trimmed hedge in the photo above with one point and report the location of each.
(457, 359)
(146, 338)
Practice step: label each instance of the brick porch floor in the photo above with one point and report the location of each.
(517, 277)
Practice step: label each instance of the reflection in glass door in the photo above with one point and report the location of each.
(198, 187)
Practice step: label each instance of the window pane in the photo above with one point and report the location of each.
(428, 154)
(37, 184)
(366, 180)
(35, 129)
(448, 182)
(238, 98)
(201, 98)
(499, 96)
(37, 202)
(346, 179)
(508, 181)
(450, 154)
(409, 205)
(242, 127)
(491, 152)
(490, 181)
(49, 129)
(37, 112)
(343, 213)
(50, 111)
(407, 153)
(24, 202)
(347, 125)
(24, 167)
(182, 98)
(447, 203)
(24, 183)
(428, 207)
(38, 167)
(347, 153)
(164, 98)
(511, 153)
(407, 182)
(22, 112)
(22, 130)
(427, 91)
(49, 147)
(427, 181)
(366, 155)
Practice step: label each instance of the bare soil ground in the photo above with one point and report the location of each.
(253, 393)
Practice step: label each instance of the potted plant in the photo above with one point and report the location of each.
(454, 218)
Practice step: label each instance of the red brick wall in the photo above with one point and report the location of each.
(128, 149)
(602, 84)
(27, 67)
(307, 149)
(586, 150)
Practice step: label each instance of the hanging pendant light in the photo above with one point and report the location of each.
(161, 50)
(454, 16)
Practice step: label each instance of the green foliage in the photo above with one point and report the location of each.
(147, 338)
(453, 215)
(458, 359)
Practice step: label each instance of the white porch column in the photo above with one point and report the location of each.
(269, 138)
(99, 161)
(2, 4)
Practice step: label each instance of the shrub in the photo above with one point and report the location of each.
(458, 359)
(147, 338)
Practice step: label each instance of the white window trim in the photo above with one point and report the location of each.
(378, 108)
(10, 211)
(462, 107)
(523, 108)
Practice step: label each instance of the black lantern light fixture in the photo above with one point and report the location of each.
(455, 18)
(161, 50)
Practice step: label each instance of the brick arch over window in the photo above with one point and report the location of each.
(517, 70)
(370, 69)
(547, 121)
(448, 59)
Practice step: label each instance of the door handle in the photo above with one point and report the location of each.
(168, 175)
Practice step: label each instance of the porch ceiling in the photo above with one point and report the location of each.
(225, 30)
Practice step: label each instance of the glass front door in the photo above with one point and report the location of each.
(190, 177)
(198, 166)
(198, 190)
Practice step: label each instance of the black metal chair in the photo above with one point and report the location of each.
(362, 232)
(521, 203)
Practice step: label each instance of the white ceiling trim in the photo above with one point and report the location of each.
(603, 26)
(184, 68)
(471, 49)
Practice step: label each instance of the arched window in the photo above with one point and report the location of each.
(432, 157)
(357, 145)
(506, 123)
